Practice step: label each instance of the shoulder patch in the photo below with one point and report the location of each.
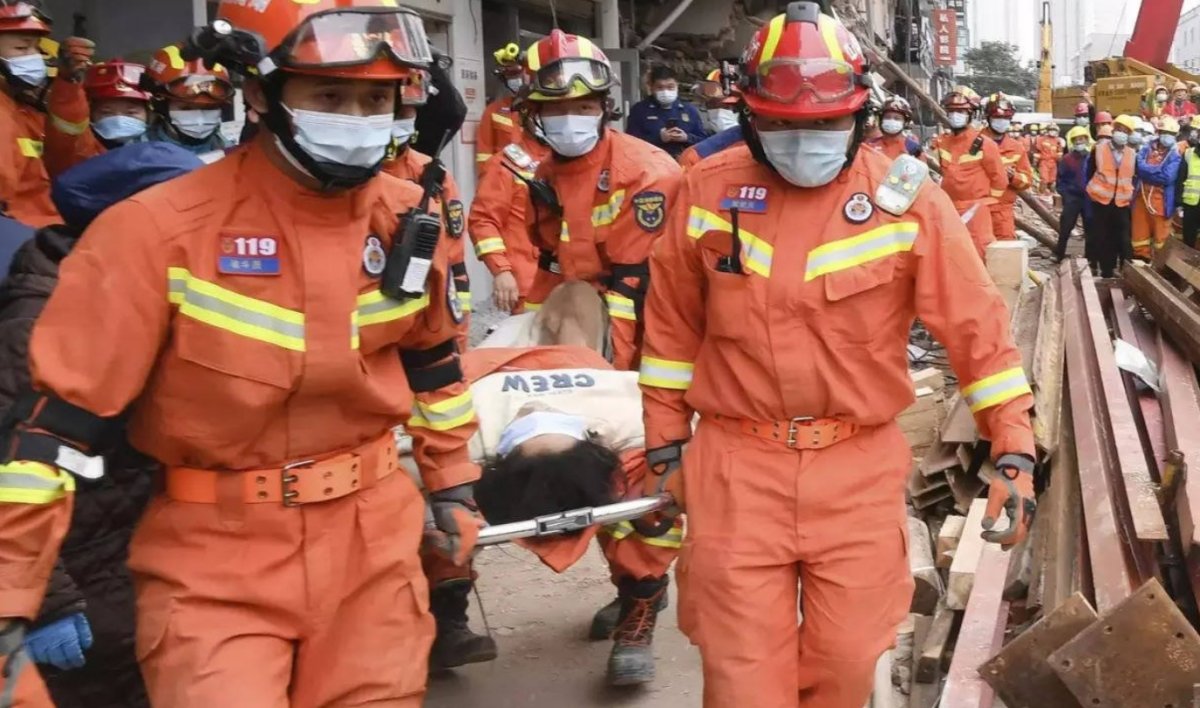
(898, 190)
(518, 156)
(649, 210)
(455, 221)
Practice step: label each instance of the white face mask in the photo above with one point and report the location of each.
(1167, 140)
(571, 135)
(1000, 125)
(891, 126)
(29, 69)
(667, 96)
(1136, 139)
(198, 124)
(1081, 147)
(806, 158)
(539, 423)
(1120, 139)
(513, 85)
(958, 120)
(403, 129)
(1082, 120)
(353, 141)
(722, 119)
(119, 128)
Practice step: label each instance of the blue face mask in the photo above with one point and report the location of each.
(540, 423)
(1167, 140)
(29, 69)
(120, 129)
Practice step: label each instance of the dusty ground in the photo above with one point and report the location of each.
(540, 620)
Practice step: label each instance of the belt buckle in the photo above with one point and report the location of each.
(794, 428)
(286, 480)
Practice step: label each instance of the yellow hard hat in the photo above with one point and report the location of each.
(1079, 131)
(1168, 124)
(1126, 121)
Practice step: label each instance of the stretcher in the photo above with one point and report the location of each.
(574, 520)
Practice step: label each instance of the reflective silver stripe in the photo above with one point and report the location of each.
(232, 311)
(22, 480)
(664, 373)
(444, 415)
(225, 309)
(621, 307)
(605, 214)
(996, 389)
(863, 248)
(757, 253)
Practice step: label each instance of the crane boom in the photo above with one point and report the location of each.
(1045, 103)
(1154, 32)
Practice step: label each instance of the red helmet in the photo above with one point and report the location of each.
(170, 77)
(1103, 117)
(712, 90)
(414, 89)
(353, 39)
(1082, 109)
(804, 65)
(956, 100)
(897, 104)
(115, 79)
(563, 66)
(998, 106)
(24, 16)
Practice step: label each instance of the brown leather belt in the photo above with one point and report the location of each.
(302, 482)
(797, 433)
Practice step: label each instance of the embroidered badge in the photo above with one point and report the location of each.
(374, 257)
(858, 209)
(455, 221)
(248, 255)
(602, 184)
(746, 198)
(650, 210)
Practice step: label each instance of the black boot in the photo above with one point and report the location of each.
(632, 659)
(455, 643)
(605, 621)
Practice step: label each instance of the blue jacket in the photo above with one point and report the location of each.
(1162, 175)
(12, 234)
(719, 141)
(1072, 176)
(215, 143)
(647, 118)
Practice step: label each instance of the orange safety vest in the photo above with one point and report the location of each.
(1112, 182)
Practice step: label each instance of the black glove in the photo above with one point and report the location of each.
(664, 463)
(457, 522)
(13, 658)
(445, 111)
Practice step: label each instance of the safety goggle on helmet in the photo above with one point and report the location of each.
(25, 16)
(804, 65)
(171, 76)
(563, 66)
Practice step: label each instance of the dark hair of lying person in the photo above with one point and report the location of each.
(518, 487)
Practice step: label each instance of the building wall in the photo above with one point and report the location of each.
(130, 29)
(1185, 52)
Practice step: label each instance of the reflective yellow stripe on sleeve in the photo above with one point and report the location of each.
(605, 214)
(968, 157)
(757, 254)
(532, 306)
(33, 483)
(224, 309)
(444, 415)
(624, 529)
(945, 156)
(877, 243)
(495, 244)
(1011, 159)
(31, 148)
(996, 389)
(66, 127)
(502, 120)
(464, 301)
(483, 156)
(997, 192)
(664, 373)
(620, 307)
(564, 232)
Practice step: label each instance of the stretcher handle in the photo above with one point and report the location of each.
(574, 520)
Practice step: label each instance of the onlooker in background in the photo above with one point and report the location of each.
(1072, 187)
(1187, 190)
(1179, 105)
(499, 126)
(662, 119)
(1154, 199)
(1110, 174)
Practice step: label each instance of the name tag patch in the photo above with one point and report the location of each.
(249, 255)
(746, 198)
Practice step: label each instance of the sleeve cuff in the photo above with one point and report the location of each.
(661, 435)
(17, 603)
(450, 476)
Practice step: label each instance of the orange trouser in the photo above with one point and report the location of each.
(1149, 232)
(1048, 173)
(1003, 225)
(29, 690)
(764, 521)
(265, 606)
(980, 226)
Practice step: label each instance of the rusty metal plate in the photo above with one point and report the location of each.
(1020, 674)
(1142, 654)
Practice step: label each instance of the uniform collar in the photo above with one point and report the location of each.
(259, 173)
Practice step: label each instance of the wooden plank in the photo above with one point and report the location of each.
(933, 651)
(981, 633)
(1048, 370)
(1061, 577)
(1179, 317)
(1181, 418)
(1020, 674)
(959, 426)
(921, 695)
(966, 558)
(931, 378)
(928, 582)
(1183, 261)
(1144, 512)
(947, 540)
(1143, 652)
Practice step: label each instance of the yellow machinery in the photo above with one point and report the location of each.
(1045, 103)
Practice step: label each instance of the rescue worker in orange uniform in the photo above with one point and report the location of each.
(188, 99)
(1154, 199)
(611, 191)
(24, 183)
(790, 345)
(235, 318)
(1110, 174)
(972, 171)
(999, 112)
(719, 93)
(497, 220)
(408, 164)
(85, 119)
(1050, 151)
(499, 125)
(894, 119)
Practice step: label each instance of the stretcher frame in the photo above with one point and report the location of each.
(573, 520)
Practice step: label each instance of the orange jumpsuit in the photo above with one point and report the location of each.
(973, 175)
(497, 221)
(891, 145)
(629, 554)
(24, 184)
(408, 166)
(615, 201)
(498, 127)
(233, 314)
(1151, 224)
(1014, 157)
(69, 138)
(821, 333)
(1049, 152)
(689, 157)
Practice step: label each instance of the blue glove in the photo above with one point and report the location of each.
(61, 643)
